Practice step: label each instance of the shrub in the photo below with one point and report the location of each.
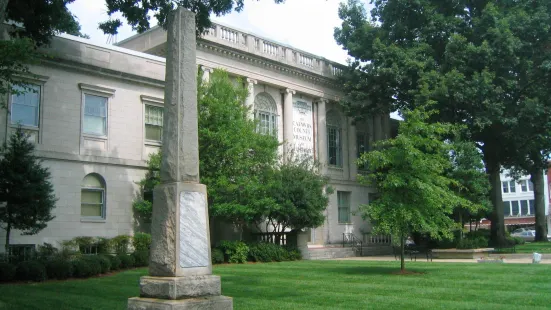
(7, 272)
(82, 269)
(127, 261)
(31, 271)
(104, 245)
(294, 254)
(121, 243)
(517, 240)
(234, 251)
(86, 245)
(473, 242)
(267, 252)
(105, 263)
(59, 268)
(94, 262)
(115, 262)
(141, 258)
(46, 252)
(217, 256)
(141, 241)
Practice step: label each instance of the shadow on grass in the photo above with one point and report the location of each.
(358, 270)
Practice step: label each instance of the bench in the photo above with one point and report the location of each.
(412, 251)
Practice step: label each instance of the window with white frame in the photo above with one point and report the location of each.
(526, 186)
(532, 207)
(514, 208)
(153, 123)
(95, 115)
(266, 114)
(508, 187)
(334, 139)
(92, 197)
(506, 208)
(524, 207)
(343, 201)
(25, 106)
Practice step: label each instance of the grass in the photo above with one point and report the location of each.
(320, 285)
(531, 247)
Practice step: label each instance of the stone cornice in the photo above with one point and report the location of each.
(227, 51)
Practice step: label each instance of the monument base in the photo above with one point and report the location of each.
(180, 287)
(199, 303)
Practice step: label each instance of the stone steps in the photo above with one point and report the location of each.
(330, 253)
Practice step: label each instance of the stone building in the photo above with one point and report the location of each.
(96, 115)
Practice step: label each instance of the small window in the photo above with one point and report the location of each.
(93, 197)
(515, 208)
(266, 114)
(506, 208)
(530, 186)
(153, 123)
(362, 146)
(95, 115)
(532, 207)
(523, 185)
(505, 186)
(25, 106)
(524, 207)
(512, 187)
(344, 206)
(334, 139)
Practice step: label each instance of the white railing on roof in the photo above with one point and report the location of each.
(270, 48)
(306, 61)
(336, 71)
(229, 35)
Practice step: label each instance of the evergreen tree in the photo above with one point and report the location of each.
(26, 192)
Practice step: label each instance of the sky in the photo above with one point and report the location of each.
(305, 24)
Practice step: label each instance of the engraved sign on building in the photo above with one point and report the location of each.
(303, 128)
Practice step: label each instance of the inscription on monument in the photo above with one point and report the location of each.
(194, 245)
(303, 129)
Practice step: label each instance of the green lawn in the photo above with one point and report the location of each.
(321, 285)
(540, 247)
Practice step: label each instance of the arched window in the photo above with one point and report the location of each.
(92, 196)
(334, 138)
(265, 112)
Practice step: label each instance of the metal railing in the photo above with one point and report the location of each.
(370, 238)
(351, 240)
(279, 238)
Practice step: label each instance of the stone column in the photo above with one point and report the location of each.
(180, 269)
(206, 73)
(377, 128)
(288, 121)
(322, 135)
(249, 102)
(353, 150)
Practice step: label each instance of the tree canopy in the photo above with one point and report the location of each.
(486, 64)
(137, 13)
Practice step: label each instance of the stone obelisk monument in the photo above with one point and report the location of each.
(180, 270)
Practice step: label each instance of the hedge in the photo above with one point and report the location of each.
(7, 272)
(60, 269)
(31, 271)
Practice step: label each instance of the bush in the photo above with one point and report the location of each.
(46, 252)
(141, 242)
(127, 261)
(31, 271)
(267, 252)
(217, 256)
(121, 243)
(105, 263)
(104, 245)
(294, 254)
(115, 262)
(82, 269)
(516, 240)
(473, 242)
(59, 268)
(141, 258)
(7, 272)
(234, 251)
(94, 262)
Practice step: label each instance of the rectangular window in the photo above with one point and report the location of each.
(512, 186)
(361, 147)
(532, 207)
(267, 123)
(334, 146)
(25, 106)
(523, 185)
(505, 186)
(530, 186)
(344, 206)
(153, 123)
(92, 202)
(507, 208)
(524, 207)
(514, 207)
(95, 115)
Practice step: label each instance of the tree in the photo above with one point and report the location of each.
(482, 62)
(409, 172)
(300, 195)
(137, 13)
(26, 192)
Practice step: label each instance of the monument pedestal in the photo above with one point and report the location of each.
(199, 303)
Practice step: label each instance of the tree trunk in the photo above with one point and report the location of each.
(7, 245)
(3, 15)
(462, 224)
(402, 254)
(497, 232)
(536, 177)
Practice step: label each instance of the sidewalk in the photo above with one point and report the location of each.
(509, 259)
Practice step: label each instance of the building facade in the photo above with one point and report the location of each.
(96, 114)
